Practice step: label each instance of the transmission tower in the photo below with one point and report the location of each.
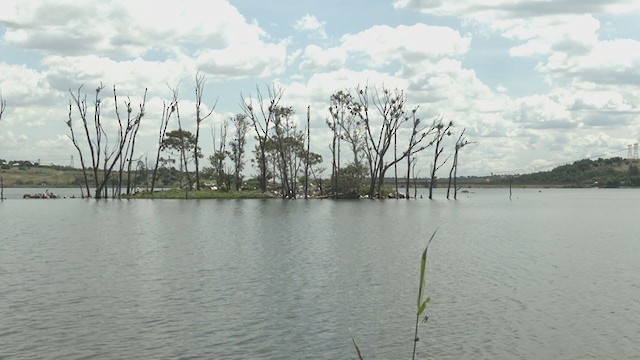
(71, 162)
(635, 150)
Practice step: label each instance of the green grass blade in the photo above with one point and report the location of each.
(423, 306)
(423, 265)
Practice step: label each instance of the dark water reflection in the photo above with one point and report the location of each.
(554, 274)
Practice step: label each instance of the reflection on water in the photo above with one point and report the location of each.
(551, 274)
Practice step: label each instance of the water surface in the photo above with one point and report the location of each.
(549, 274)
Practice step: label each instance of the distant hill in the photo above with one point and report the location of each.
(611, 173)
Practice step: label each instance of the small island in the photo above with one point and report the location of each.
(613, 172)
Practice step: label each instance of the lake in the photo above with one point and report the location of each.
(550, 274)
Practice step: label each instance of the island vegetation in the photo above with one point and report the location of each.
(373, 127)
(613, 172)
(373, 130)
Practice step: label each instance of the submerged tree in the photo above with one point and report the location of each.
(460, 143)
(97, 137)
(419, 134)
(262, 117)
(391, 115)
(3, 106)
(287, 143)
(442, 130)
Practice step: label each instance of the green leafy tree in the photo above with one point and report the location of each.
(183, 144)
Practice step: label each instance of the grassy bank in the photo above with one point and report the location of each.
(40, 176)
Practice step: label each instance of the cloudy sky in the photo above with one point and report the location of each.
(536, 83)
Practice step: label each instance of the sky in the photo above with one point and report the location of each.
(536, 84)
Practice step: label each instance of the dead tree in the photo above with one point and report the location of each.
(3, 106)
(415, 176)
(306, 161)
(126, 158)
(262, 118)
(167, 111)
(200, 81)
(97, 137)
(131, 147)
(419, 134)
(339, 107)
(442, 131)
(390, 108)
(77, 146)
(184, 151)
(453, 173)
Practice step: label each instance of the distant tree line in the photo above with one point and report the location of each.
(611, 172)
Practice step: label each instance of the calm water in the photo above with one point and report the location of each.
(549, 275)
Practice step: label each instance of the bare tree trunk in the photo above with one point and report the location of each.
(167, 111)
(306, 165)
(415, 186)
(183, 154)
(395, 165)
(95, 143)
(408, 179)
(200, 81)
(77, 146)
(442, 130)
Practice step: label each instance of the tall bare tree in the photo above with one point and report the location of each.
(453, 173)
(97, 137)
(262, 117)
(129, 148)
(168, 109)
(200, 117)
(417, 142)
(442, 130)
(306, 161)
(339, 106)
(391, 115)
(3, 106)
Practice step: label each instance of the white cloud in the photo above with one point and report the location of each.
(124, 28)
(22, 86)
(243, 60)
(406, 44)
(317, 59)
(310, 23)
(493, 9)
